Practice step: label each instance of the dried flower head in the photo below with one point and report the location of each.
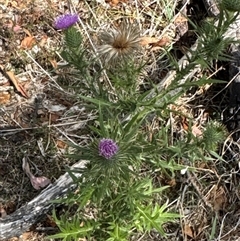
(119, 43)
(65, 21)
(107, 148)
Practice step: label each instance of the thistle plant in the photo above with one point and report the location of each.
(212, 46)
(110, 183)
(123, 199)
(212, 37)
(73, 53)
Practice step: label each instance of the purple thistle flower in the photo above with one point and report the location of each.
(65, 21)
(107, 148)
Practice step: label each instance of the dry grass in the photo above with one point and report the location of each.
(39, 127)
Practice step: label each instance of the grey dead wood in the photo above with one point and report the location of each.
(211, 7)
(20, 221)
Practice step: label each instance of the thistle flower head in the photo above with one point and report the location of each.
(107, 148)
(231, 5)
(119, 43)
(65, 21)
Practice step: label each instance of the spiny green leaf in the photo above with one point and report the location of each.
(95, 101)
(73, 37)
(204, 81)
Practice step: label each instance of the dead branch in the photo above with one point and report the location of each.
(20, 221)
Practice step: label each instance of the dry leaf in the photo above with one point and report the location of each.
(37, 182)
(203, 165)
(50, 221)
(16, 84)
(43, 40)
(164, 41)
(54, 117)
(114, 3)
(61, 144)
(11, 77)
(16, 28)
(27, 32)
(28, 42)
(4, 97)
(8, 24)
(188, 231)
(181, 23)
(3, 212)
(184, 123)
(53, 63)
(217, 197)
(154, 42)
(172, 182)
(26, 236)
(148, 40)
(196, 131)
(180, 19)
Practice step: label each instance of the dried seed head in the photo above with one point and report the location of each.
(119, 44)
